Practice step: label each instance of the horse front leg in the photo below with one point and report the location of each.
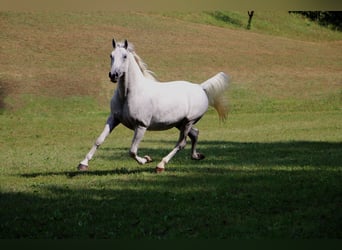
(110, 125)
(133, 152)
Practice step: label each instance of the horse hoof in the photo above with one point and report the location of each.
(199, 156)
(159, 170)
(148, 159)
(82, 167)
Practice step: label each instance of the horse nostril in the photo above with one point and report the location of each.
(113, 77)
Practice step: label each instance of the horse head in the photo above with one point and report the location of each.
(118, 60)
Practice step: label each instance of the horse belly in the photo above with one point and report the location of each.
(161, 126)
(173, 111)
(165, 121)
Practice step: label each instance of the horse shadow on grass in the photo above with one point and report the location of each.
(92, 172)
(287, 154)
(209, 200)
(222, 155)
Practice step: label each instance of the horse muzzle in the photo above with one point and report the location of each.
(113, 77)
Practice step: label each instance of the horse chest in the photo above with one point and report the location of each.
(133, 114)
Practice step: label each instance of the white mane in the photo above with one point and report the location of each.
(142, 65)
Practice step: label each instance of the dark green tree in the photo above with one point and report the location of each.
(331, 19)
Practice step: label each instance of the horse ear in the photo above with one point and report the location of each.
(113, 42)
(126, 44)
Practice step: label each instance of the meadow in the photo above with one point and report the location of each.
(272, 170)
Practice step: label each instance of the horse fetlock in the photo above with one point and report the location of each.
(132, 154)
(161, 165)
(85, 161)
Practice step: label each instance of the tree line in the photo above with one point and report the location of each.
(332, 19)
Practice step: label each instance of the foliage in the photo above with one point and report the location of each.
(225, 17)
(332, 19)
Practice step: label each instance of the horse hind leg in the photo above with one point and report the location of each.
(193, 134)
(184, 131)
(110, 125)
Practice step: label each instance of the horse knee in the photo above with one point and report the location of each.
(99, 141)
(103, 135)
(101, 138)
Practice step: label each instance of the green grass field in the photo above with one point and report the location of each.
(272, 170)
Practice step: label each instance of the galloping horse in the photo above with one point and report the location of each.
(142, 103)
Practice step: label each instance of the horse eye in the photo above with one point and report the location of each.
(124, 56)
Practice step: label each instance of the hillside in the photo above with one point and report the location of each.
(278, 23)
(282, 58)
(271, 171)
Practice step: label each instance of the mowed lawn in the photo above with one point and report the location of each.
(272, 170)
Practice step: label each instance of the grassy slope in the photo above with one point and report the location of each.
(273, 170)
(67, 54)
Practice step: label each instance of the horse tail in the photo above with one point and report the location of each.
(215, 88)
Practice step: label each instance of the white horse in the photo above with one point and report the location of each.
(142, 103)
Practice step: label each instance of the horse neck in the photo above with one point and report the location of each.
(134, 78)
(121, 88)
